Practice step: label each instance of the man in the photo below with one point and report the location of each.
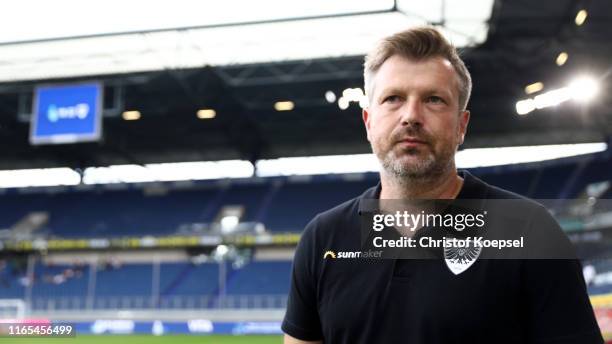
(418, 89)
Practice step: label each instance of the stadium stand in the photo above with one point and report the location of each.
(281, 204)
(12, 275)
(188, 279)
(137, 211)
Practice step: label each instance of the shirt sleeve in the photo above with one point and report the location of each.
(558, 309)
(302, 317)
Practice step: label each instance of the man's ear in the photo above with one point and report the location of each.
(464, 120)
(365, 115)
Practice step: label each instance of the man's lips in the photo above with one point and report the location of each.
(412, 142)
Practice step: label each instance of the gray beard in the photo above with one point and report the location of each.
(423, 171)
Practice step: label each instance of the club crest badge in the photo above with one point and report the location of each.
(459, 255)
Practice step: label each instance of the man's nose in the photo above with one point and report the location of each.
(412, 113)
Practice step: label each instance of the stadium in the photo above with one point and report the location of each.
(156, 175)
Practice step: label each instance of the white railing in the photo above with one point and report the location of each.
(238, 302)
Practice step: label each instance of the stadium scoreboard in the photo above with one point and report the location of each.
(67, 113)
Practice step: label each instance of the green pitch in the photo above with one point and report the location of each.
(147, 340)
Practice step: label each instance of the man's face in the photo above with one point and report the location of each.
(413, 120)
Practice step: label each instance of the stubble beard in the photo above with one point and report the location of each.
(426, 165)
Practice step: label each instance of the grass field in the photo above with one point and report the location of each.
(135, 339)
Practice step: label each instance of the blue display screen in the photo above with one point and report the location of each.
(67, 113)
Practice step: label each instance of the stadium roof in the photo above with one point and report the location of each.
(521, 47)
(68, 38)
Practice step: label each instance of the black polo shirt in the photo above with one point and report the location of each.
(355, 301)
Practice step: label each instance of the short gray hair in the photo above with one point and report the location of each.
(418, 43)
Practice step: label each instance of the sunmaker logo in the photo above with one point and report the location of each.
(352, 254)
(329, 254)
(55, 113)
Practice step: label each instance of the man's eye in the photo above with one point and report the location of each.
(391, 99)
(435, 100)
